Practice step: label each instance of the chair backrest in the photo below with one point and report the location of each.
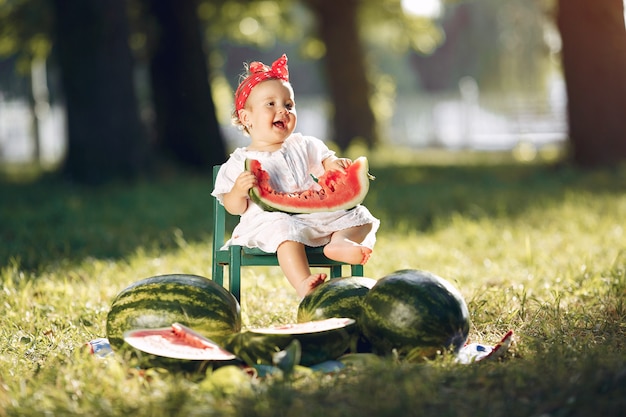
(219, 218)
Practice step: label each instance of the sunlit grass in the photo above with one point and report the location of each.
(538, 250)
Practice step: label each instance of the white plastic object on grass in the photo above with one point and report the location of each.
(475, 352)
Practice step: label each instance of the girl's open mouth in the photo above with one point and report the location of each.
(279, 124)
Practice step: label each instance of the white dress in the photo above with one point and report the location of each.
(290, 170)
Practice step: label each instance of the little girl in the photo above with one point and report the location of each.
(265, 110)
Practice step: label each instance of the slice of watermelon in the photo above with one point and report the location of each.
(335, 190)
(177, 342)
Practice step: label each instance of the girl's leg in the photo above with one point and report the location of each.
(295, 265)
(345, 245)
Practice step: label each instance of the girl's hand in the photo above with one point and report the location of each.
(243, 183)
(236, 200)
(337, 164)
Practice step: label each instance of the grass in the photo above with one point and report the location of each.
(532, 248)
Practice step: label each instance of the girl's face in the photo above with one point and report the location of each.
(270, 114)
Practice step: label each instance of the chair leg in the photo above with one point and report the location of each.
(335, 271)
(357, 270)
(217, 274)
(234, 272)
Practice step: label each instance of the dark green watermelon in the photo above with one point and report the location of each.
(339, 297)
(157, 302)
(414, 314)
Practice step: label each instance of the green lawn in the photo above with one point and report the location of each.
(533, 248)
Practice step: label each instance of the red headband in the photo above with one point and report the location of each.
(260, 72)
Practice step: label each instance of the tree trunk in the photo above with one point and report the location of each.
(594, 64)
(105, 136)
(187, 126)
(346, 71)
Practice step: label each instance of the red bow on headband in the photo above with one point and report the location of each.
(260, 72)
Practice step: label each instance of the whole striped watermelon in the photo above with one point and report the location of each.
(160, 301)
(339, 297)
(416, 314)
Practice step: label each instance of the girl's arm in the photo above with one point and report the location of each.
(236, 200)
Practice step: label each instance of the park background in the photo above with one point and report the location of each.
(481, 75)
(496, 133)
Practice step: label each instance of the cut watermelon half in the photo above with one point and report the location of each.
(318, 326)
(320, 341)
(177, 342)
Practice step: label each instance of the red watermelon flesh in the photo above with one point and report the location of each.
(177, 342)
(335, 191)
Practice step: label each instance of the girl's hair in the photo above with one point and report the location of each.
(234, 117)
(255, 73)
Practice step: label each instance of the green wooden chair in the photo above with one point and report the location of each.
(235, 256)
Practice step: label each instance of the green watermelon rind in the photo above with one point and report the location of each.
(294, 205)
(338, 297)
(255, 347)
(414, 320)
(156, 302)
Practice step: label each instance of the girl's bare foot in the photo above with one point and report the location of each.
(347, 251)
(310, 283)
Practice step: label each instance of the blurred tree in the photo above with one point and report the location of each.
(594, 65)
(28, 50)
(105, 137)
(25, 27)
(345, 65)
(90, 44)
(187, 126)
(499, 44)
(335, 34)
